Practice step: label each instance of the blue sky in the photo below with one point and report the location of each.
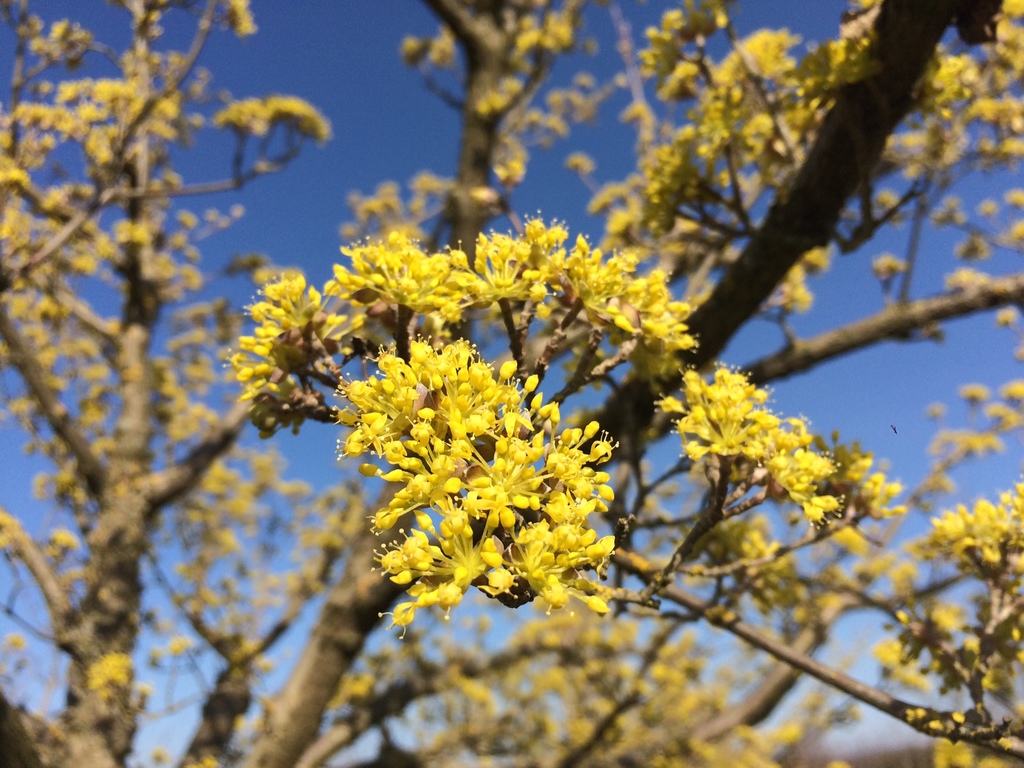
(342, 55)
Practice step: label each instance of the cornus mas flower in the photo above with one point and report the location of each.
(981, 538)
(398, 272)
(288, 316)
(395, 281)
(725, 417)
(494, 498)
(515, 268)
(501, 497)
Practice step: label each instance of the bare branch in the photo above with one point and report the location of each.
(328, 557)
(895, 321)
(54, 593)
(600, 729)
(428, 679)
(352, 610)
(228, 701)
(717, 471)
(262, 167)
(457, 16)
(19, 749)
(171, 484)
(756, 705)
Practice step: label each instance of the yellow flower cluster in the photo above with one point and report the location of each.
(553, 32)
(108, 673)
(257, 116)
(535, 266)
(793, 293)
(870, 493)
(725, 417)
(663, 57)
(239, 18)
(608, 288)
(500, 502)
(439, 51)
(93, 113)
(517, 269)
(537, 33)
(61, 541)
(288, 318)
(898, 663)
(750, 113)
(983, 539)
(397, 273)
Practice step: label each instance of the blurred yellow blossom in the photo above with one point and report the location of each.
(257, 116)
(109, 672)
(981, 537)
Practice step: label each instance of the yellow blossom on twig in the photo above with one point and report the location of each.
(500, 501)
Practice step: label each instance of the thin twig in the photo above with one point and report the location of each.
(515, 342)
(557, 337)
(717, 471)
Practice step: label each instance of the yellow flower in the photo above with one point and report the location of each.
(62, 538)
(800, 473)
(964, 279)
(257, 116)
(398, 272)
(725, 417)
(179, 645)
(288, 317)
(497, 504)
(722, 417)
(109, 672)
(975, 393)
(1013, 390)
(1006, 317)
(239, 18)
(510, 268)
(887, 265)
(980, 538)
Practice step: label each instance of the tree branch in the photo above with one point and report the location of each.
(171, 484)
(352, 610)
(759, 703)
(56, 414)
(845, 154)
(427, 679)
(227, 702)
(717, 471)
(896, 321)
(987, 736)
(599, 731)
(455, 15)
(804, 216)
(62, 236)
(55, 594)
(19, 749)
(394, 700)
